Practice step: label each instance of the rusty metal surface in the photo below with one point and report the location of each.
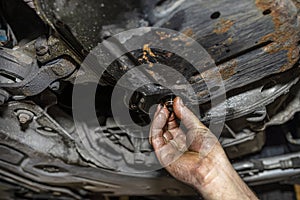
(252, 41)
(248, 40)
(248, 43)
(285, 37)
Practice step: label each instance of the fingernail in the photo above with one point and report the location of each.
(163, 111)
(180, 102)
(158, 108)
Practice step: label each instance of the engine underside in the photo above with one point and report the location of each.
(48, 149)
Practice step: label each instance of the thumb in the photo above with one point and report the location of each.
(199, 137)
(185, 115)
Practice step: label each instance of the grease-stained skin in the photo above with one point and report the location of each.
(196, 157)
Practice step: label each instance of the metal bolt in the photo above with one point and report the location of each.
(169, 104)
(133, 107)
(3, 96)
(2, 99)
(18, 97)
(59, 69)
(24, 116)
(41, 46)
(42, 50)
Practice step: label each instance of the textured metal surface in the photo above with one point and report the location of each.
(250, 42)
(265, 170)
(89, 20)
(39, 148)
(246, 44)
(33, 80)
(254, 99)
(43, 158)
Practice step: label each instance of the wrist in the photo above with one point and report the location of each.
(221, 181)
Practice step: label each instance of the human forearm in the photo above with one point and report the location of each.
(222, 182)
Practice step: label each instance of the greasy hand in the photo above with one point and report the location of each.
(195, 157)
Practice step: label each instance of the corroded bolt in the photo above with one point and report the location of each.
(24, 116)
(42, 50)
(59, 69)
(41, 46)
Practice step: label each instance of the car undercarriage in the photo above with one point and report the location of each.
(62, 132)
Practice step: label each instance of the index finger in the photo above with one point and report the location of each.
(157, 126)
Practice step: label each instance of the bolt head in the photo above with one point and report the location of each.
(3, 96)
(42, 50)
(133, 106)
(2, 99)
(24, 118)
